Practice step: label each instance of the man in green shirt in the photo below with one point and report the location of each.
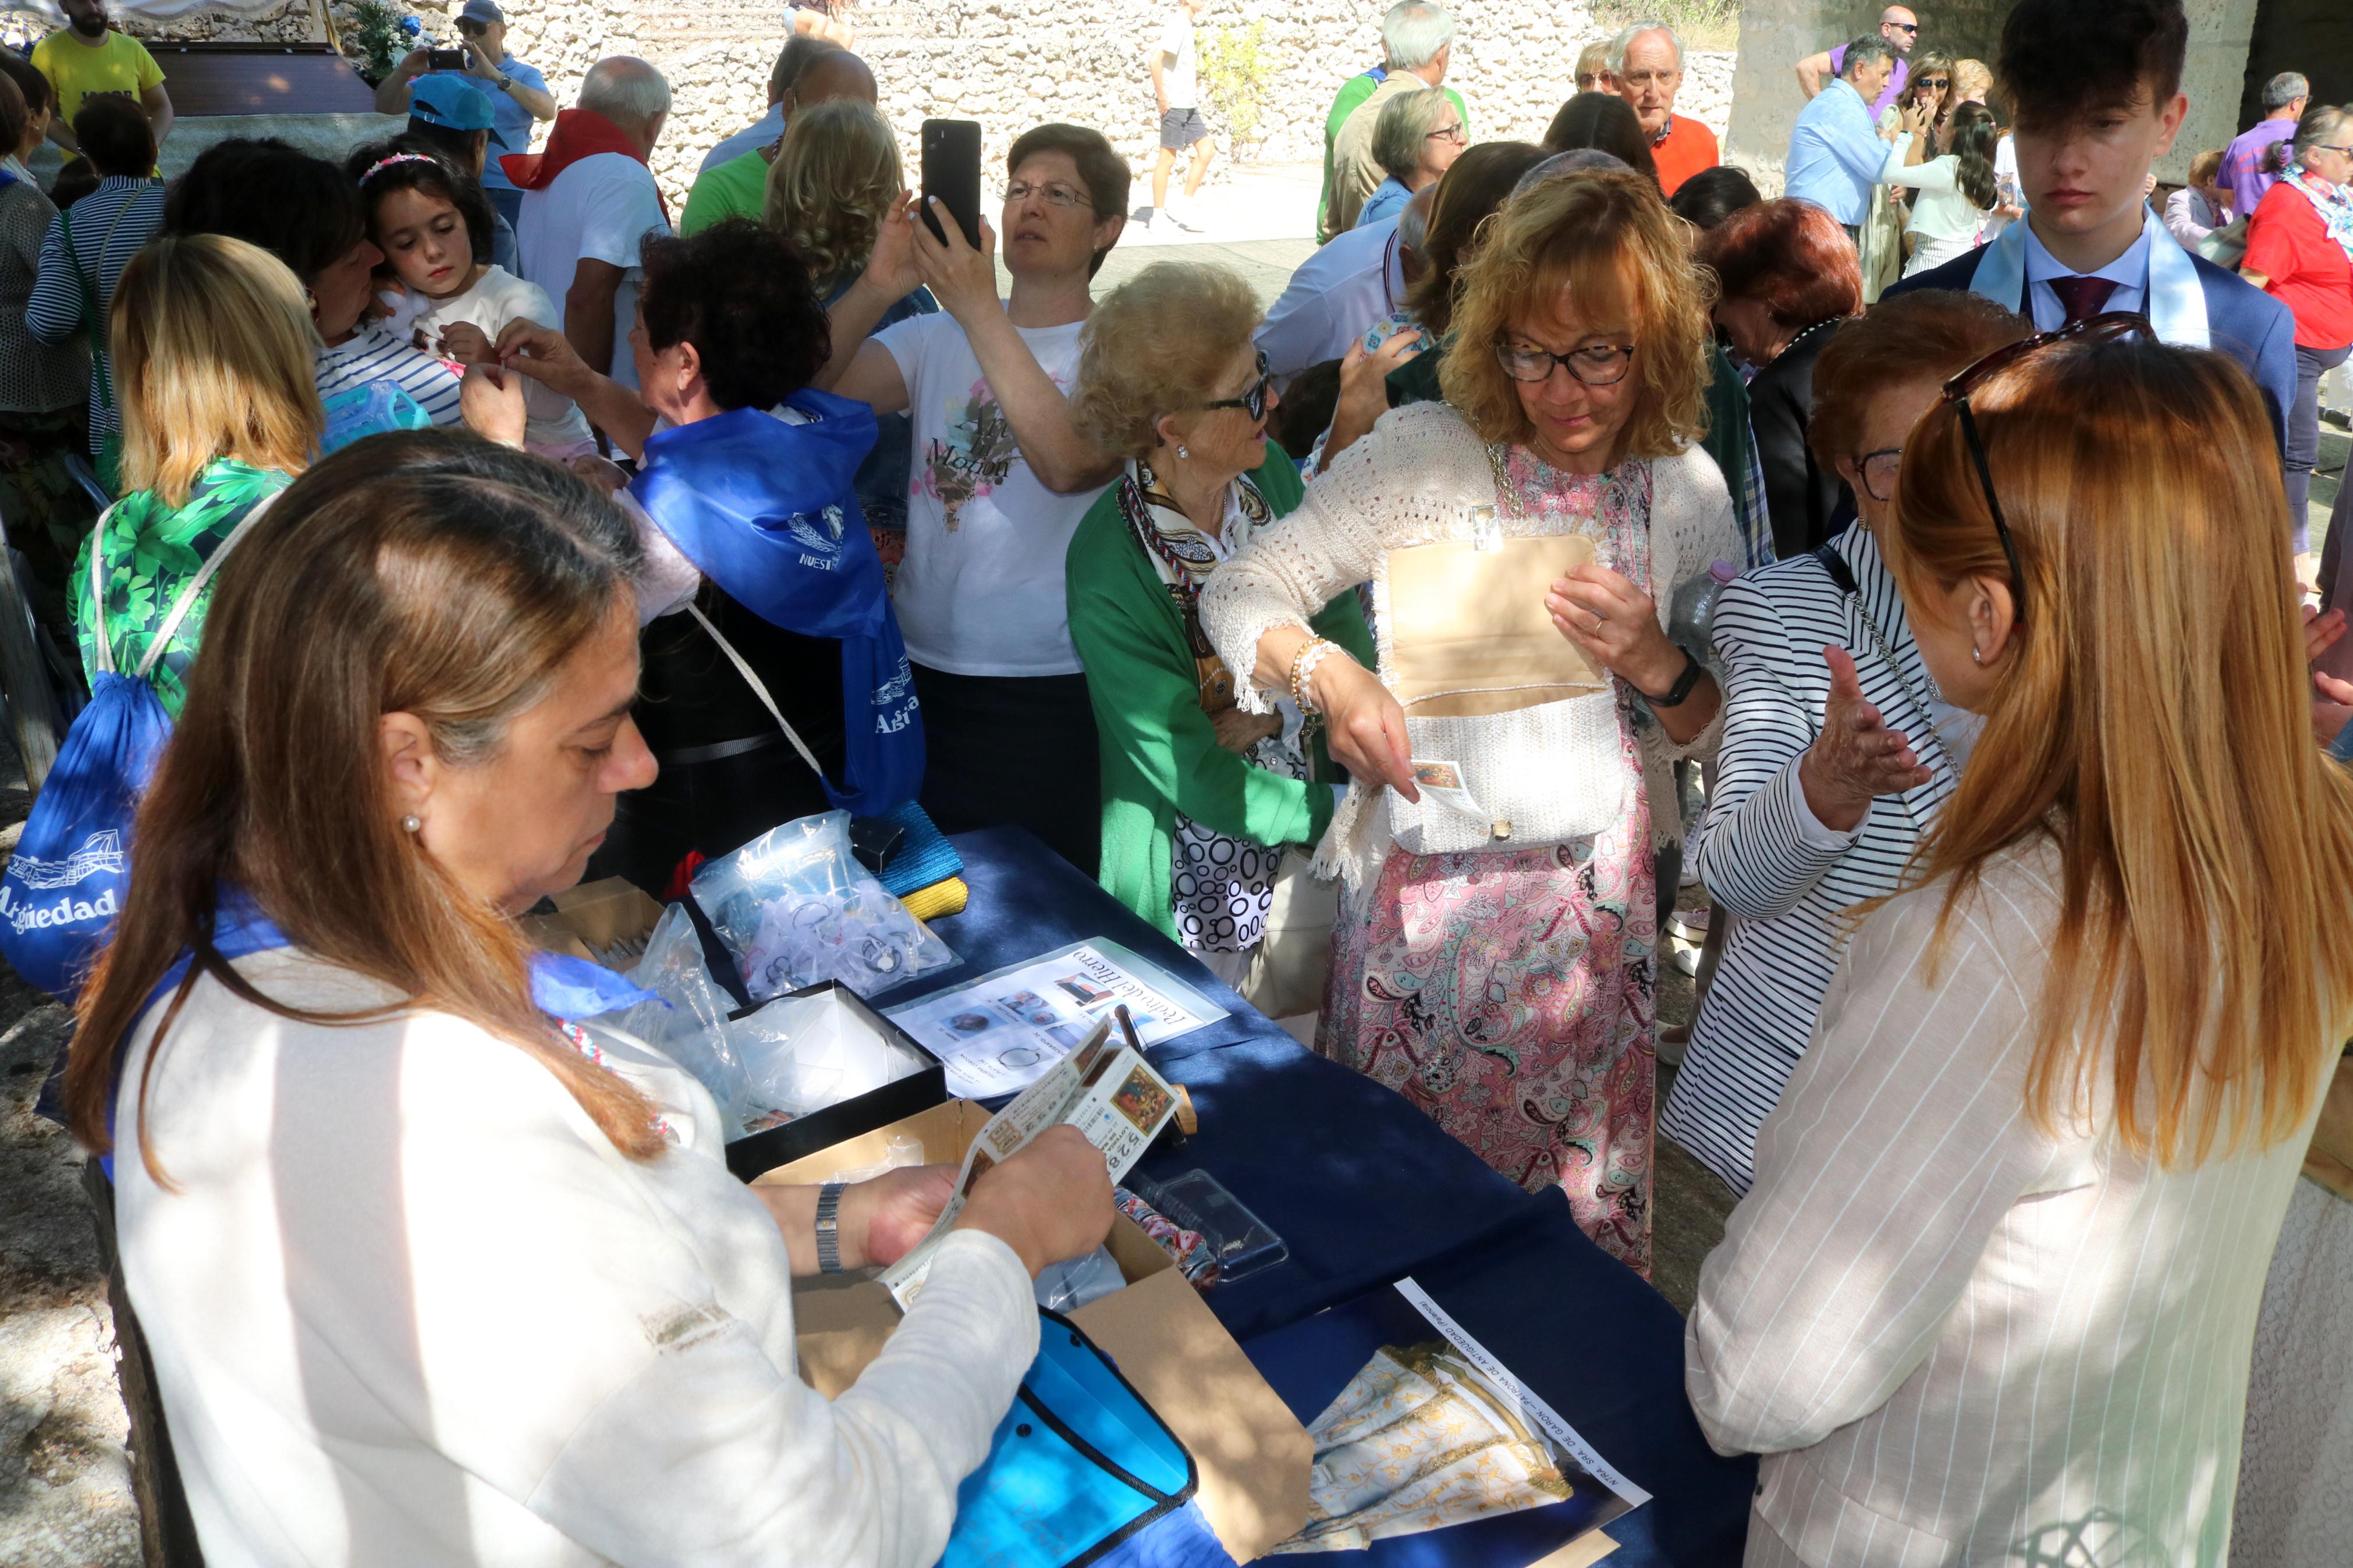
(1417, 38)
(739, 187)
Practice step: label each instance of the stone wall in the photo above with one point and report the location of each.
(1011, 64)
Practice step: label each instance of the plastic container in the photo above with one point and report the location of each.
(1196, 1200)
(1691, 615)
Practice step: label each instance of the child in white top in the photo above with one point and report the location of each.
(449, 303)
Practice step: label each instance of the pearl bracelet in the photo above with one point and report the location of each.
(1303, 665)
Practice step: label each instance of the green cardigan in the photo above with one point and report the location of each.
(1160, 752)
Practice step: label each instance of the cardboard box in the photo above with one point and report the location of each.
(804, 1135)
(1253, 1454)
(593, 918)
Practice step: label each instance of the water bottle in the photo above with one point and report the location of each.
(1691, 616)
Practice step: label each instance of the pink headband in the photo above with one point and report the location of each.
(379, 167)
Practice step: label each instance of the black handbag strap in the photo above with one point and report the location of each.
(1828, 559)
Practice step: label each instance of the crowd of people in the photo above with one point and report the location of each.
(1940, 522)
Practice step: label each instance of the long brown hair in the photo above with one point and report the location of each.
(2156, 729)
(429, 573)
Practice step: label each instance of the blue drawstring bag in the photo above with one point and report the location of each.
(1078, 1464)
(71, 869)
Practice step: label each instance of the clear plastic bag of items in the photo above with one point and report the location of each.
(801, 1054)
(795, 908)
(692, 1030)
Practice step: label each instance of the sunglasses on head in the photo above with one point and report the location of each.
(1254, 402)
(2097, 329)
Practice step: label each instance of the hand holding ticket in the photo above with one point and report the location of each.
(1442, 782)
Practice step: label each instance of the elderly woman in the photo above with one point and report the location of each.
(212, 348)
(2300, 251)
(781, 689)
(1200, 798)
(1417, 139)
(835, 181)
(1494, 957)
(1839, 751)
(2028, 1176)
(1789, 276)
(425, 1272)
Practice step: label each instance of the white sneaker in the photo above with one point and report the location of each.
(1183, 220)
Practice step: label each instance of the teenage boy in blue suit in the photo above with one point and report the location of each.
(2097, 93)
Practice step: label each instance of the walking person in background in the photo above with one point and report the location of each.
(85, 250)
(86, 59)
(1175, 88)
(2300, 252)
(2202, 205)
(1835, 155)
(590, 201)
(2029, 1174)
(1646, 70)
(1839, 752)
(2252, 164)
(1899, 30)
(1416, 139)
(1418, 38)
(518, 93)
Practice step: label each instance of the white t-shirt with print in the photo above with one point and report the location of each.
(1176, 75)
(497, 298)
(980, 592)
(599, 208)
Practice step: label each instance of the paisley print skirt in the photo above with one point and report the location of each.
(1509, 994)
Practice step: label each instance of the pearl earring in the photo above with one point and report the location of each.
(1975, 655)
(412, 823)
(1181, 452)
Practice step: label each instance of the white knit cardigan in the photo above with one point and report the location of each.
(1413, 481)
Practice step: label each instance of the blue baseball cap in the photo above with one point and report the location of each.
(450, 101)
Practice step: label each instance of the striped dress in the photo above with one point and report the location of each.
(1956, 1338)
(1786, 881)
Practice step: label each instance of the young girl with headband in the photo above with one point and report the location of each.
(433, 225)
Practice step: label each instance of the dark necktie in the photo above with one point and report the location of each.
(2082, 298)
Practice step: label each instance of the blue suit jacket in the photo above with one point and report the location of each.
(2244, 322)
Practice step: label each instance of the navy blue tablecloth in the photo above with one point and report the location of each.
(1365, 1189)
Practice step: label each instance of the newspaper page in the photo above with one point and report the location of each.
(1004, 1031)
(1103, 1089)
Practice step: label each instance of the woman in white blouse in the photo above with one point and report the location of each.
(427, 1274)
(1991, 1297)
(1524, 539)
(1957, 189)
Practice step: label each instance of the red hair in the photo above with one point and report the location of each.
(1791, 256)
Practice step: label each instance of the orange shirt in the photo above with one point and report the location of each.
(1687, 148)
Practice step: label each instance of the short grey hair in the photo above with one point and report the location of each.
(1863, 51)
(624, 89)
(1625, 40)
(2285, 88)
(1403, 129)
(2321, 122)
(1413, 32)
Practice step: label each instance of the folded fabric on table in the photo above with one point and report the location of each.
(939, 900)
(924, 855)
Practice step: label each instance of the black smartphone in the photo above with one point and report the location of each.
(445, 60)
(951, 174)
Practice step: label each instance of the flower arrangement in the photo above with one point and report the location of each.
(378, 36)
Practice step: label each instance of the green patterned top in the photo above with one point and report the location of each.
(152, 551)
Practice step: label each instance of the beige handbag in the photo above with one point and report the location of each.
(1472, 642)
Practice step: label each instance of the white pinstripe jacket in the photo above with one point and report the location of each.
(1787, 887)
(1958, 1340)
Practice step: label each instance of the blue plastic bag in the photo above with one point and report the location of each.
(71, 870)
(1078, 1464)
(370, 408)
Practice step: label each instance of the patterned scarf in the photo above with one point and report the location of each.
(1185, 557)
(2333, 202)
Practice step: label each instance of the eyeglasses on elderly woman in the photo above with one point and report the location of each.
(2097, 329)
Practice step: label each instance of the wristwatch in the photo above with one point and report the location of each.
(506, 83)
(828, 1228)
(1693, 671)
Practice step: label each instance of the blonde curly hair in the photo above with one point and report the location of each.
(1607, 238)
(1159, 344)
(832, 185)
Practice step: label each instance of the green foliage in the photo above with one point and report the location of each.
(376, 39)
(1237, 74)
(1701, 24)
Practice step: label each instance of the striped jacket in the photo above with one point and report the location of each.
(109, 226)
(1786, 881)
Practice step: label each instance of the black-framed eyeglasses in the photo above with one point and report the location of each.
(1057, 194)
(1454, 132)
(1254, 402)
(2324, 147)
(1879, 470)
(1595, 364)
(2091, 329)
